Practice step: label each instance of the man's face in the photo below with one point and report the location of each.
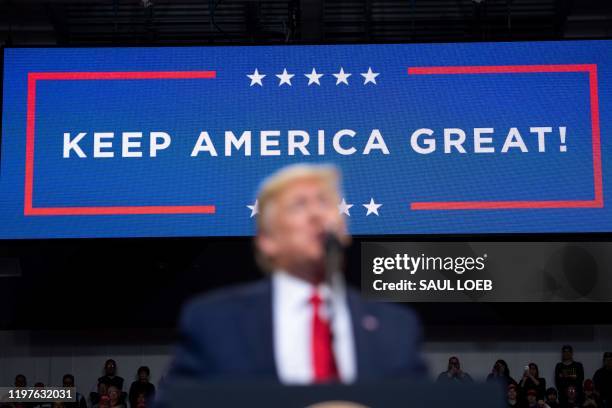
(571, 392)
(143, 376)
(531, 398)
(512, 394)
(299, 219)
(113, 393)
(608, 363)
(551, 397)
(110, 368)
(566, 355)
(68, 383)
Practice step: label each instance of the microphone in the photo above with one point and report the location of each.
(333, 255)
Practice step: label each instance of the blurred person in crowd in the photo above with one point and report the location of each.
(590, 398)
(568, 373)
(454, 373)
(142, 386)
(40, 385)
(572, 398)
(532, 381)
(114, 397)
(68, 382)
(110, 376)
(512, 396)
(101, 391)
(552, 398)
(501, 374)
(603, 380)
(104, 402)
(21, 381)
(141, 401)
(301, 324)
(533, 401)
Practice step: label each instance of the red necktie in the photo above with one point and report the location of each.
(323, 361)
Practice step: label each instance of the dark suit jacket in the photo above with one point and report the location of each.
(228, 336)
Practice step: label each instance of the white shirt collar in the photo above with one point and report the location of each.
(296, 292)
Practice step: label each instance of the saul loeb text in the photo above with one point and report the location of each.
(408, 266)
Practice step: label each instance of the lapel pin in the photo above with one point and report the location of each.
(369, 323)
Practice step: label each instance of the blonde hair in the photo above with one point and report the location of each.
(276, 183)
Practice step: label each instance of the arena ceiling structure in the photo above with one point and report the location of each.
(202, 22)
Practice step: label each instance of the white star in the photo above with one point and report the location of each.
(285, 77)
(342, 77)
(313, 78)
(254, 209)
(372, 207)
(370, 76)
(343, 207)
(256, 78)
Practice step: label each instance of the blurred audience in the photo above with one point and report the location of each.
(533, 401)
(114, 397)
(96, 396)
(454, 372)
(68, 382)
(591, 399)
(141, 401)
(552, 398)
(142, 386)
(530, 392)
(572, 398)
(501, 374)
(512, 394)
(568, 373)
(603, 380)
(110, 376)
(104, 402)
(532, 381)
(21, 381)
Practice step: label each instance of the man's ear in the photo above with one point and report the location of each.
(266, 244)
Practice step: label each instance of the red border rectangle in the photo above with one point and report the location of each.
(596, 202)
(33, 77)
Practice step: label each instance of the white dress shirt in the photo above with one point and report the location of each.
(292, 324)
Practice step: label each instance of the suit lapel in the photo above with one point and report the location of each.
(258, 331)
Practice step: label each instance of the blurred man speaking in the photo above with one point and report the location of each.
(299, 325)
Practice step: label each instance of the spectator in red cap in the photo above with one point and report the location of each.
(104, 402)
(603, 380)
(513, 396)
(590, 398)
(532, 398)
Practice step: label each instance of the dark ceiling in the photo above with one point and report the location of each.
(140, 22)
